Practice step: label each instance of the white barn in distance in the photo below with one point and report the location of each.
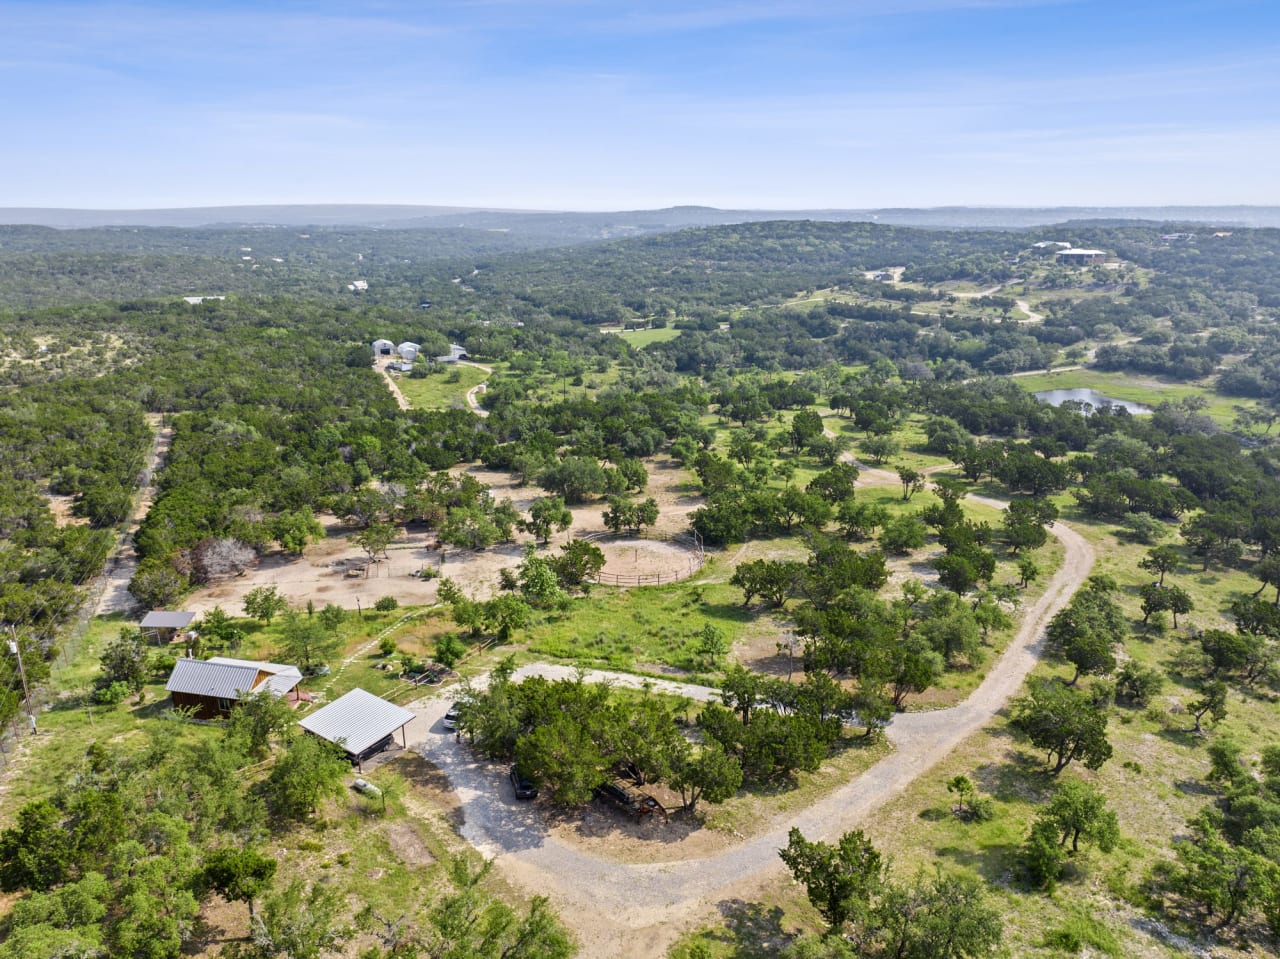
(383, 347)
(408, 351)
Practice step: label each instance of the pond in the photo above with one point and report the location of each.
(1092, 397)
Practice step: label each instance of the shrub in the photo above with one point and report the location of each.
(387, 604)
(387, 646)
(111, 694)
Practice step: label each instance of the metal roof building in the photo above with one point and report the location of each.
(210, 688)
(280, 680)
(360, 722)
(166, 619)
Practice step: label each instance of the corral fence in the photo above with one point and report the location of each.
(690, 543)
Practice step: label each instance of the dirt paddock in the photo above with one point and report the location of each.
(335, 570)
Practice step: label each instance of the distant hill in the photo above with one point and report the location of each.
(584, 226)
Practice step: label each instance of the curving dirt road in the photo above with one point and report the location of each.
(631, 911)
(473, 394)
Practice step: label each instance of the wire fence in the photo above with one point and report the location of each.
(94, 588)
(690, 543)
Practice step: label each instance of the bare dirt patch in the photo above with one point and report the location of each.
(337, 571)
(637, 562)
(60, 507)
(609, 834)
(408, 845)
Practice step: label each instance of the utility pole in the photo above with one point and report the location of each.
(26, 691)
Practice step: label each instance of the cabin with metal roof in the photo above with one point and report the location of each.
(162, 625)
(210, 688)
(361, 723)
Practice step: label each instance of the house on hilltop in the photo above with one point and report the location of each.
(1075, 257)
(210, 688)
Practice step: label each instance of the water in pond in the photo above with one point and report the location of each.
(1092, 397)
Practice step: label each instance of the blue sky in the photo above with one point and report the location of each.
(578, 104)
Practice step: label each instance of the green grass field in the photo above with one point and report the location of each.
(441, 391)
(639, 339)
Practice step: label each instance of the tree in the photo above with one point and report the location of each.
(293, 531)
(547, 513)
(1155, 600)
(574, 478)
(256, 720)
(309, 771)
(769, 578)
(298, 924)
(1222, 878)
(880, 448)
(913, 481)
(1064, 723)
(712, 643)
(840, 880)
(1043, 856)
(124, 660)
(1212, 702)
(239, 875)
(156, 583)
(945, 917)
(1028, 571)
(1138, 684)
(903, 534)
(708, 773)
(1160, 560)
(1079, 810)
(374, 539)
(1267, 572)
(263, 603)
(1090, 653)
(836, 484)
(578, 564)
(216, 626)
(466, 923)
(220, 556)
(469, 527)
(625, 514)
(859, 520)
(305, 641)
(1180, 603)
(332, 616)
(36, 852)
(562, 755)
(806, 425)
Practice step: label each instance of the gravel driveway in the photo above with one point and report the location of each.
(638, 910)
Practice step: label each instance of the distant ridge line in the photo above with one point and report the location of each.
(405, 216)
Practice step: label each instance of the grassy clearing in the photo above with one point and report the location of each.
(441, 390)
(639, 339)
(637, 628)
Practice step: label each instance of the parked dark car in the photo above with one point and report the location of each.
(524, 789)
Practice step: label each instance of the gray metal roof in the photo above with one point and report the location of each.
(199, 677)
(357, 720)
(282, 679)
(165, 619)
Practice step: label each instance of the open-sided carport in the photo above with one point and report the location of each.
(361, 723)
